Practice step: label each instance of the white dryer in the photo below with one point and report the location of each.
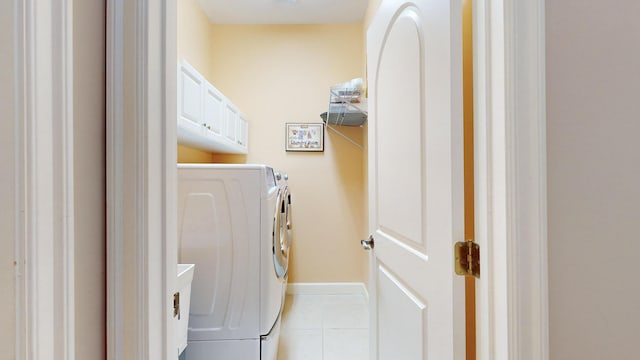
(232, 225)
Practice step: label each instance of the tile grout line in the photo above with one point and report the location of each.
(325, 301)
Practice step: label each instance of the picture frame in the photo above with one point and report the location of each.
(306, 137)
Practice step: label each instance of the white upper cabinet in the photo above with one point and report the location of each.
(207, 119)
(214, 108)
(242, 134)
(190, 89)
(232, 116)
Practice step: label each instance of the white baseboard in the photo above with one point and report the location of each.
(338, 288)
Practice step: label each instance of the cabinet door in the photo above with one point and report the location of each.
(190, 84)
(232, 117)
(243, 130)
(214, 109)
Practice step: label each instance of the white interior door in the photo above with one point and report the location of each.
(416, 179)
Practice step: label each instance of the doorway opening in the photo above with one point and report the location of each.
(469, 213)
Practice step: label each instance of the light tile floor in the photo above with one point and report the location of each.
(324, 327)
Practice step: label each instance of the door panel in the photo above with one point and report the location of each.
(400, 307)
(416, 209)
(399, 161)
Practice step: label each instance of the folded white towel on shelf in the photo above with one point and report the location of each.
(353, 84)
(349, 91)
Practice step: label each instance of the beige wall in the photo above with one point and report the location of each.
(593, 93)
(190, 155)
(89, 179)
(279, 74)
(194, 36)
(195, 46)
(7, 188)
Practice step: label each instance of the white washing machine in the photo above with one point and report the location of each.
(232, 225)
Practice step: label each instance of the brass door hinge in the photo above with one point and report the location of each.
(467, 255)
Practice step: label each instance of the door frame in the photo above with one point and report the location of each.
(510, 179)
(43, 178)
(510, 157)
(141, 178)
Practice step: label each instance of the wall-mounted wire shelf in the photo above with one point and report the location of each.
(346, 108)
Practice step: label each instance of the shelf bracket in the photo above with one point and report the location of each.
(344, 136)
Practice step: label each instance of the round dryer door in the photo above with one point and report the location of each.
(280, 238)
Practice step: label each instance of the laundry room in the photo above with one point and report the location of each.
(278, 72)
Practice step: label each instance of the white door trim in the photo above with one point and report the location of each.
(43, 53)
(141, 178)
(114, 154)
(510, 126)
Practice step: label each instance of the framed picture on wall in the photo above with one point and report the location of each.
(304, 137)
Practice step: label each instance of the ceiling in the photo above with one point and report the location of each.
(284, 11)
